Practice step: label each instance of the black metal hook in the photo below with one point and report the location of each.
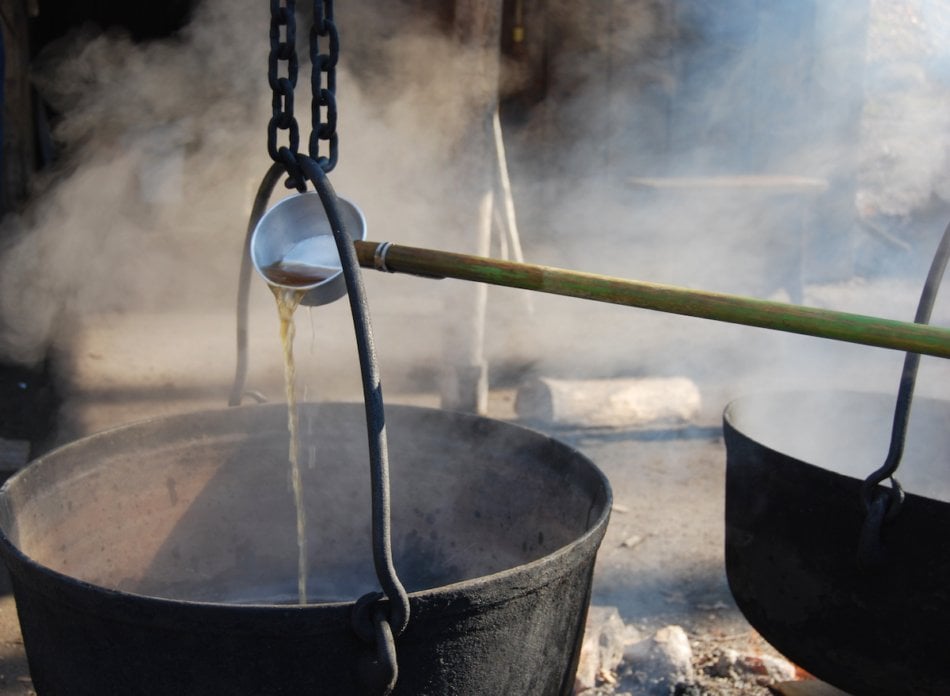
(372, 398)
(883, 504)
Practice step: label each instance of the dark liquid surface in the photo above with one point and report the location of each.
(272, 594)
(297, 275)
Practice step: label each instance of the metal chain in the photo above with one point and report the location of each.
(282, 49)
(283, 36)
(324, 97)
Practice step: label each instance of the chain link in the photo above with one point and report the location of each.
(323, 112)
(282, 49)
(324, 93)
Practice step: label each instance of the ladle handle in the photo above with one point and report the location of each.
(717, 306)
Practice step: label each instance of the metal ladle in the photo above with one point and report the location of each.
(292, 246)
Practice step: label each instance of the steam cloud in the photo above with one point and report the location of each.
(158, 149)
(164, 145)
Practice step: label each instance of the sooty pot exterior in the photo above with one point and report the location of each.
(796, 462)
(145, 560)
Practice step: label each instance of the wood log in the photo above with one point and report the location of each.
(615, 403)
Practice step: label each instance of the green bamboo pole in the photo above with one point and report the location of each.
(780, 316)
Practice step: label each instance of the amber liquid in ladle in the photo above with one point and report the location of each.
(297, 275)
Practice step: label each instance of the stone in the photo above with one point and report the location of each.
(605, 636)
(660, 663)
(767, 668)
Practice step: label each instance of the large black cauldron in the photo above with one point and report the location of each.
(794, 517)
(160, 558)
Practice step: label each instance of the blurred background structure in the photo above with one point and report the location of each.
(792, 150)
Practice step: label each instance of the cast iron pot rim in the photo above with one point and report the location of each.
(454, 598)
(728, 417)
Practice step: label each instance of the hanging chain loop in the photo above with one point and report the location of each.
(370, 622)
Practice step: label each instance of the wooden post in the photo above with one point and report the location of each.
(17, 132)
(476, 26)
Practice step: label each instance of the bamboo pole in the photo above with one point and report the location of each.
(734, 309)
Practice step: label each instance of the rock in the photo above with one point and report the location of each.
(725, 666)
(767, 668)
(605, 635)
(662, 662)
(632, 541)
(770, 669)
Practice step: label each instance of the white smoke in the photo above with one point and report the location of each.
(164, 144)
(158, 139)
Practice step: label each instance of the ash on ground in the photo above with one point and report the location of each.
(620, 660)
